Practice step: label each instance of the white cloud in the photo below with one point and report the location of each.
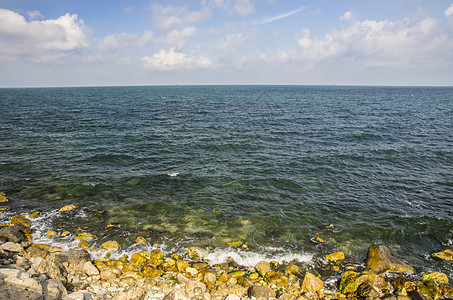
(115, 42)
(19, 38)
(171, 59)
(179, 38)
(449, 11)
(35, 14)
(244, 7)
(377, 43)
(170, 17)
(347, 16)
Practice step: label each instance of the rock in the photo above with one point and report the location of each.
(137, 259)
(41, 246)
(67, 208)
(22, 287)
(379, 260)
(34, 214)
(176, 295)
(232, 297)
(51, 233)
(429, 289)
(3, 197)
(52, 269)
(35, 252)
(13, 273)
(311, 283)
(191, 272)
(436, 277)
(446, 290)
(84, 244)
(54, 290)
(79, 295)
(11, 234)
(84, 235)
(261, 292)
(135, 293)
(402, 286)
(90, 269)
(182, 265)
(110, 245)
(12, 247)
(209, 277)
(195, 288)
(21, 220)
(199, 266)
(335, 257)
(350, 281)
(156, 254)
(150, 272)
(74, 259)
(292, 269)
(263, 267)
(237, 274)
(276, 278)
(65, 233)
(446, 254)
(22, 228)
(287, 296)
(108, 273)
(223, 291)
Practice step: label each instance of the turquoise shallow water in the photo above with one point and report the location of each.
(265, 165)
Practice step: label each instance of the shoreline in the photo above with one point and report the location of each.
(42, 271)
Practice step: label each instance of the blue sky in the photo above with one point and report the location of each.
(145, 42)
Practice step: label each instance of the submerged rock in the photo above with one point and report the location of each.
(335, 257)
(67, 208)
(379, 260)
(446, 254)
(436, 277)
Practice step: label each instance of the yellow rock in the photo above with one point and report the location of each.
(4, 224)
(99, 264)
(65, 233)
(137, 259)
(34, 214)
(276, 278)
(274, 265)
(68, 207)
(156, 254)
(94, 249)
(21, 220)
(335, 257)
(336, 268)
(254, 276)
(84, 236)
(84, 244)
(292, 269)
(150, 272)
(319, 240)
(28, 237)
(41, 246)
(436, 277)
(55, 249)
(235, 244)
(110, 245)
(51, 233)
(128, 267)
(446, 254)
(193, 253)
(140, 240)
(182, 265)
(3, 197)
(143, 253)
(263, 267)
(116, 263)
(124, 258)
(311, 283)
(3, 208)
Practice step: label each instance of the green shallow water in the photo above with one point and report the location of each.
(265, 165)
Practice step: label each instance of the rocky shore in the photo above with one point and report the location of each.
(31, 270)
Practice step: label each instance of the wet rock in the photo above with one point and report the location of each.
(436, 277)
(276, 278)
(311, 283)
(446, 254)
(150, 272)
(335, 257)
(84, 236)
(110, 245)
(182, 265)
(379, 260)
(237, 274)
(11, 234)
(22, 228)
(21, 220)
(261, 292)
(108, 273)
(447, 290)
(429, 289)
(292, 269)
(403, 286)
(137, 259)
(67, 208)
(350, 281)
(3, 197)
(11, 247)
(263, 267)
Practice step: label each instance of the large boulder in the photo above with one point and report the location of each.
(261, 292)
(311, 283)
(379, 260)
(11, 234)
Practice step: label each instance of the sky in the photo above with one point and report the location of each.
(155, 42)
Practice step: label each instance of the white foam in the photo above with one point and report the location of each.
(173, 174)
(250, 259)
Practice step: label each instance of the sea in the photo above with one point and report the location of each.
(285, 173)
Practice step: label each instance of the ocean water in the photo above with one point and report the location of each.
(266, 166)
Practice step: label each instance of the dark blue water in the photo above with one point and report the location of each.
(264, 165)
